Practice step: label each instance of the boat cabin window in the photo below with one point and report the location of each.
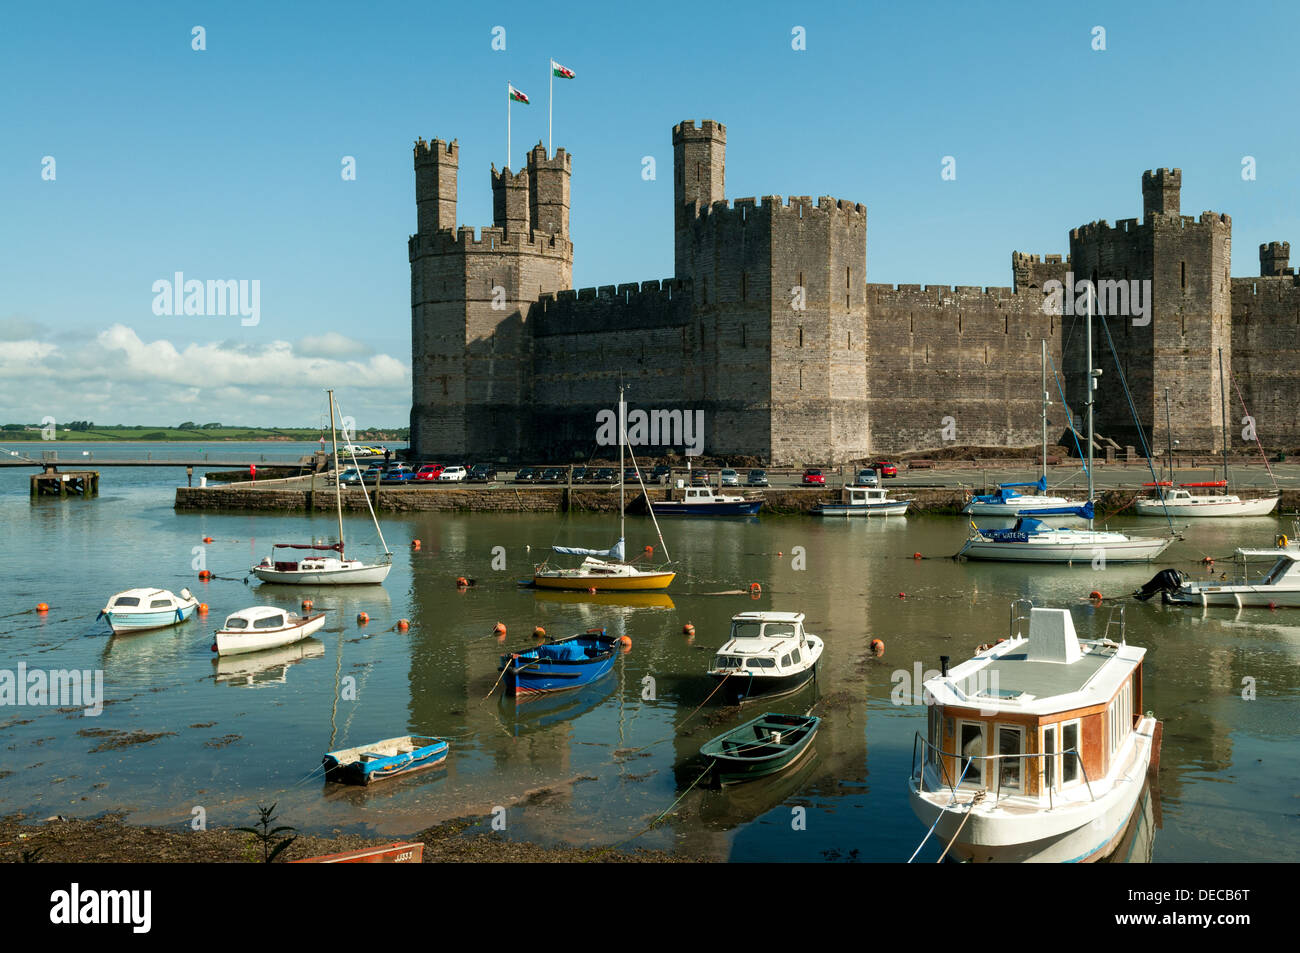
(746, 630)
(1120, 717)
(794, 656)
(1051, 759)
(761, 663)
(160, 604)
(270, 622)
(1011, 742)
(1070, 770)
(127, 601)
(728, 661)
(785, 660)
(235, 622)
(779, 630)
(971, 739)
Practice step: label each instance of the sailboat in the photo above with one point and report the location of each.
(1170, 500)
(331, 570)
(1009, 502)
(607, 569)
(1031, 540)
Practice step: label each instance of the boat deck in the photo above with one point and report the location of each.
(1016, 674)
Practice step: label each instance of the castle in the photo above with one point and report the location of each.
(769, 326)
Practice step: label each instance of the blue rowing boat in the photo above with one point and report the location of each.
(384, 759)
(559, 665)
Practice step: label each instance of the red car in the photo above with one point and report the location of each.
(814, 478)
(429, 472)
(885, 469)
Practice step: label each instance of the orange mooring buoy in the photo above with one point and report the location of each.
(688, 629)
(1095, 596)
(1208, 561)
(403, 625)
(205, 574)
(42, 607)
(877, 647)
(362, 618)
(415, 545)
(306, 605)
(539, 633)
(591, 590)
(649, 550)
(203, 608)
(902, 595)
(462, 582)
(499, 630)
(626, 643)
(207, 539)
(755, 587)
(916, 556)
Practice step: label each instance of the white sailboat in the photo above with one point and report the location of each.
(1169, 500)
(606, 570)
(1031, 540)
(331, 570)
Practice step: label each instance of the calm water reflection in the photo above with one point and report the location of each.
(597, 766)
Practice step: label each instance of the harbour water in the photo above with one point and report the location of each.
(598, 766)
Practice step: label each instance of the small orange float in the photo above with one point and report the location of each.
(403, 625)
(203, 608)
(362, 618)
(415, 545)
(42, 607)
(205, 574)
(877, 647)
(539, 633)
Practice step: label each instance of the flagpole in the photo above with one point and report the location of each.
(550, 110)
(508, 98)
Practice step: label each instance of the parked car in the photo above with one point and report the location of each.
(398, 473)
(528, 475)
(350, 476)
(814, 477)
(428, 473)
(630, 475)
(553, 475)
(373, 472)
(729, 477)
(482, 473)
(661, 473)
(885, 468)
(580, 474)
(756, 478)
(604, 475)
(452, 475)
(866, 477)
(699, 478)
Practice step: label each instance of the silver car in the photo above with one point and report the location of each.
(730, 478)
(867, 477)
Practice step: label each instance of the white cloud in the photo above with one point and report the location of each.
(118, 377)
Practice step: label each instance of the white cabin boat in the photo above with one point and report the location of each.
(703, 501)
(1179, 501)
(1037, 748)
(863, 501)
(1278, 587)
(1031, 540)
(263, 627)
(137, 610)
(768, 654)
(320, 570)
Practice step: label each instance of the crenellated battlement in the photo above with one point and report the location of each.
(628, 307)
(707, 129)
(931, 294)
(489, 240)
(797, 206)
(436, 149)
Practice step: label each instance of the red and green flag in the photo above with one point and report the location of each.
(561, 71)
(518, 96)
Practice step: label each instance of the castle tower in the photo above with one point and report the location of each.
(1177, 266)
(549, 200)
(1273, 259)
(510, 201)
(1160, 192)
(436, 164)
(699, 179)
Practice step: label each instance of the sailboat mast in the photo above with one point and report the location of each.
(1223, 407)
(1092, 383)
(338, 486)
(622, 423)
(1044, 412)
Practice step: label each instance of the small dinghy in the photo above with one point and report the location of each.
(766, 745)
(384, 759)
(263, 627)
(559, 665)
(138, 609)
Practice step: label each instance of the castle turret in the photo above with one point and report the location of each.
(436, 164)
(1273, 259)
(699, 178)
(510, 201)
(549, 200)
(1160, 192)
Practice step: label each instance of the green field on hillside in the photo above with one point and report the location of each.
(30, 433)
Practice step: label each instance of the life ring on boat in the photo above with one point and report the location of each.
(1282, 541)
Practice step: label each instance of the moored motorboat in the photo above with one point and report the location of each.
(1179, 501)
(703, 501)
(1278, 587)
(1071, 745)
(559, 665)
(863, 501)
(366, 764)
(767, 654)
(136, 610)
(263, 627)
(763, 746)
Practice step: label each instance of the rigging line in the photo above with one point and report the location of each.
(1142, 440)
(338, 487)
(1246, 410)
(1069, 417)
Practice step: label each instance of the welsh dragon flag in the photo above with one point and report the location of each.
(561, 71)
(518, 96)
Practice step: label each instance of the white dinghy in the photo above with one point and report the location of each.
(263, 627)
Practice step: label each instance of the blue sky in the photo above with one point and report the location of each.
(225, 163)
